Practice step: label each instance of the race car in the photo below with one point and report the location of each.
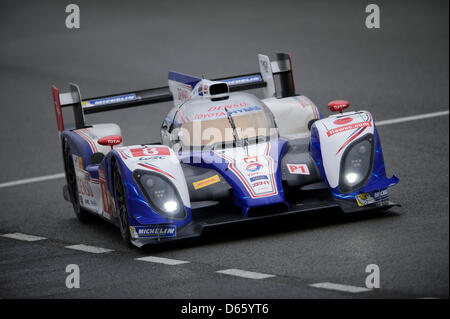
(225, 156)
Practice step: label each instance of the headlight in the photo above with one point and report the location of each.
(160, 194)
(356, 164)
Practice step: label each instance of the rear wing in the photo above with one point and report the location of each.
(281, 67)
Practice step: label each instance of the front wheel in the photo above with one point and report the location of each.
(121, 205)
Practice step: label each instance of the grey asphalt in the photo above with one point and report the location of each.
(398, 70)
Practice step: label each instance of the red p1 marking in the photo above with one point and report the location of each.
(301, 169)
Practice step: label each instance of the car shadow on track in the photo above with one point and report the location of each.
(261, 228)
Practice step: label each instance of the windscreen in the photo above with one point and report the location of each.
(203, 122)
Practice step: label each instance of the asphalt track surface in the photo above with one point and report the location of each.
(398, 70)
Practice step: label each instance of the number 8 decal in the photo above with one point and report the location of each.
(150, 151)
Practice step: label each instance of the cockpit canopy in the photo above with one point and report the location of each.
(203, 122)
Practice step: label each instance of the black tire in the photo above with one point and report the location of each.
(121, 205)
(310, 123)
(82, 214)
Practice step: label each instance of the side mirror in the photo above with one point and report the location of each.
(338, 105)
(110, 140)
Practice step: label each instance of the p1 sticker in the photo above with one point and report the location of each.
(300, 169)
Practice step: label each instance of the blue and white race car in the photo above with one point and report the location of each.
(225, 156)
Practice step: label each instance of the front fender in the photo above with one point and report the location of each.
(332, 136)
(156, 159)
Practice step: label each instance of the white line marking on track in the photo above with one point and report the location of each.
(161, 260)
(89, 249)
(411, 118)
(32, 180)
(244, 274)
(23, 237)
(378, 123)
(340, 287)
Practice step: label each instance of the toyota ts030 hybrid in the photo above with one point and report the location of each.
(225, 156)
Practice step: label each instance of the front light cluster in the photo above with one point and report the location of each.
(160, 194)
(356, 164)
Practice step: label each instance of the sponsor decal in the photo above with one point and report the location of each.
(106, 198)
(244, 171)
(251, 159)
(253, 167)
(254, 174)
(228, 106)
(110, 141)
(222, 114)
(343, 121)
(183, 95)
(243, 80)
(79, 161)
(301, 169)
(338, 107)
(149, 151)
(259, 177)
(260, 184)
(348, 127)
(84, 187)
(110, 100)
(372, 197)
(167, 230)
(206, 182)
(153, 158)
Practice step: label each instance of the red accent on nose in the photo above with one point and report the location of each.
(338, 105)
(110, 140)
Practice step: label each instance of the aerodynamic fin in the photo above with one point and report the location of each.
(181, 86)
(281, 67)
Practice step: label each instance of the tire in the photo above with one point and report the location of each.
(310, 123)
(82, 214)
(121, 205)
